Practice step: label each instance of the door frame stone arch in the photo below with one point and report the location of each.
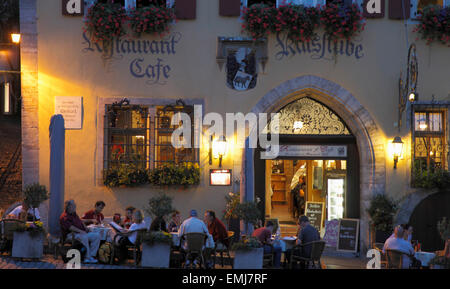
(369, 138)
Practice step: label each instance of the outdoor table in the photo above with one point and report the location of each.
(290, 242)
(106, 232)
(424, 257)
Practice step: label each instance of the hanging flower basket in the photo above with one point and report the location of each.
(341, 21)
(151, 19)
(105, 22)
(434, 24)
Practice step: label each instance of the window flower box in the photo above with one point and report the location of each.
(151, 20)
(434, 24)
(105, 22)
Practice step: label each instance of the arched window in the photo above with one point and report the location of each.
(308, 117)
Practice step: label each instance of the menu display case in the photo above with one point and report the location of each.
(335, 198)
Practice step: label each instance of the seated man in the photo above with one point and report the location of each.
(264, 235)
(398, 243)
(217, 230)
(24, 213)
(306, 234)
(130, 235)
(193, 225)
(95, 215)
(70, 222)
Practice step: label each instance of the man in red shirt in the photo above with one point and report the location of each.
(94, 216)
(70, 222)
(264, 235)
(216, 228)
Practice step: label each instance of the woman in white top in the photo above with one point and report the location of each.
(129, 236)
(24, 212)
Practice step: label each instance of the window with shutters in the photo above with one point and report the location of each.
(129, 4)
(418, 5)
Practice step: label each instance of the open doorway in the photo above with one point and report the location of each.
(290, 183)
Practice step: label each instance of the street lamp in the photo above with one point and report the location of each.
(397, 147)
(218, 149)
(15, 38)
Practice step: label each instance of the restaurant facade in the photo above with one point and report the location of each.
(338, 105)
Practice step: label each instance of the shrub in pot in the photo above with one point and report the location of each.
(156, 249)
(248, 254)
(382, 211)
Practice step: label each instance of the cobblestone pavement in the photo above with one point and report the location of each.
(10, 138)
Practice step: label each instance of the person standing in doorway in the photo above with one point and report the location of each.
(298, 197)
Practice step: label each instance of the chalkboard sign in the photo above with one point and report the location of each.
(348, 235)
(314, 211)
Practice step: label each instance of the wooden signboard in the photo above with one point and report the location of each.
(315, 213)
(348, 235)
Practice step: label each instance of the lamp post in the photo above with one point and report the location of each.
(15, 41)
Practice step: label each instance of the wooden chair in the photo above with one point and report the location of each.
(8, 227)
(136, 247)
(268, 257)
(195, 243)
(317, 248)
(221, 248)
(379, 248)
(395, 259)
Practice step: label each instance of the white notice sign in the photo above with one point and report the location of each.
(70, 107)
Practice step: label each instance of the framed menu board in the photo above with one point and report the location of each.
(315, 212)
(348, 235)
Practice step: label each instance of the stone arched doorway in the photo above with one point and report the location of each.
(369, 139)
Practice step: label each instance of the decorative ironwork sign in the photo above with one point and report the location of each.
(311, 151)
(408, 90)
(309, 117)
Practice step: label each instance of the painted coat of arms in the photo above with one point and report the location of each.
(241, 69)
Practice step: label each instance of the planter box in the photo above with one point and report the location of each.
(26, 245)
(156, 255)
(251, 259)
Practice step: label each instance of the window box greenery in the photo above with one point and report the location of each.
(430, 178)
(126, 175)
(434, 24)
(176, 174)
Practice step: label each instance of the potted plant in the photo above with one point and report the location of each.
(156, 249)
(381, 211)
(28, 240)
(156, 244)
(249, 213)
(230, 213)
(248, 254)
(440, 262)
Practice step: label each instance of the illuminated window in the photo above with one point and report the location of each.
(429, 140)
(165, 152)
(6, 98)
(126, 136)
(418, 5)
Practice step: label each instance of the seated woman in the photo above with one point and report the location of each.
(175, 223)
(128, 218)
(129, 236)
(24, 213)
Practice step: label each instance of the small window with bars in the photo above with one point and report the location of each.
(126, 136)
(429, 140)
(165, 152)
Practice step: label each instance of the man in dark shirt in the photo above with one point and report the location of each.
(307, 234)
(70, 222)
(264, 235)
(95, 215)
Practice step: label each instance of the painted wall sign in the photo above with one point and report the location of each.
(373, 8)
(319, 47)
(72, 7)
(71, 108)
(220, 177)
(149, 62)
(311, 151)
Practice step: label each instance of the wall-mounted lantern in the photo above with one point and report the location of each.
(397, 149)
(15, 38)
(217, 149)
